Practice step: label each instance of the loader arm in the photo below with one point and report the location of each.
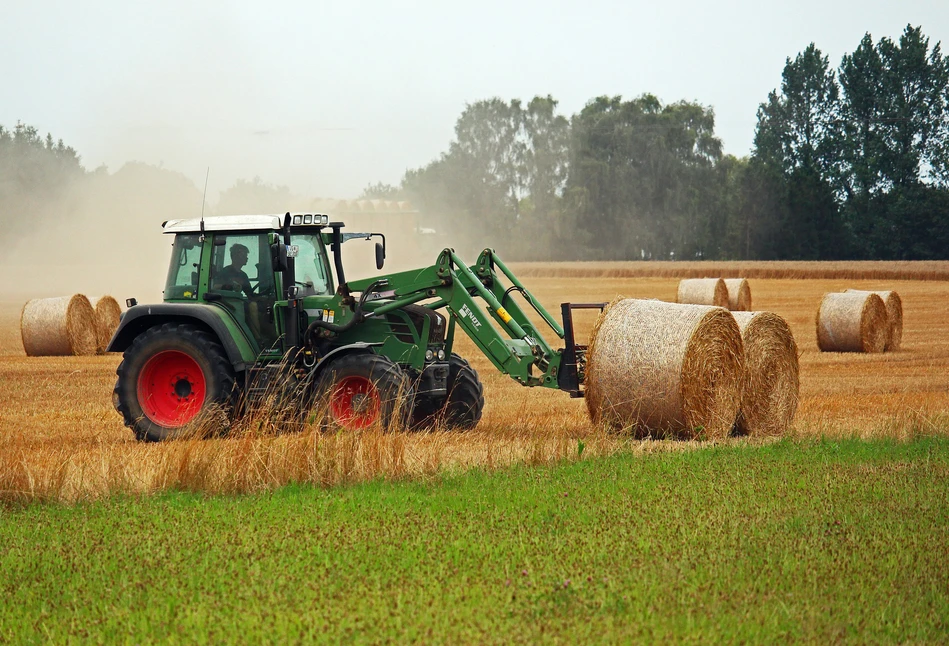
(513, 344)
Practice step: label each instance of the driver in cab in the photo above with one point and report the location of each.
(232, 277)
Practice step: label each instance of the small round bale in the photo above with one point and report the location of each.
(771, 386)
(60, 326)
(703, 291)
(894, 313)
(852, 322)
(664, 369)
(108, 315)
(739, 294)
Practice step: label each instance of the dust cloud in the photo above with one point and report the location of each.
(101, 233)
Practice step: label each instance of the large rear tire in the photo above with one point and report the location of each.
(173, 377)
(461, 408)
(359, 391)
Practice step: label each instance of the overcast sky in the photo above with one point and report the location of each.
(328, 97)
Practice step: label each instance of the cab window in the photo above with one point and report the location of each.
(183, 272)
(238, 265)
(311, 268)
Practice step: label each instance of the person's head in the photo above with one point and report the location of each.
(239, 255)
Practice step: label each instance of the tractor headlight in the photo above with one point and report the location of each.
(298, 219)
(308, 219)
(429, 355)
(441, 354)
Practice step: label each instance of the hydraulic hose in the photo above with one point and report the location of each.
(358, 316)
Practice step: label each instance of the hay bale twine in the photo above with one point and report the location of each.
(739, 294)
(664, 369)
(894, 313)
(60, 326)
(771, 384)
(108, 315)
(852, 322)
(703, 291)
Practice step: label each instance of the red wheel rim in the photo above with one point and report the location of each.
(171, 388)
(355, 402)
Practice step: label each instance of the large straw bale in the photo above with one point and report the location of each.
(739, 294)
(703, 291)
(664, 369)
(894, 313)
(59, 326)
(108, 315)
(771, 385)
(852, 322)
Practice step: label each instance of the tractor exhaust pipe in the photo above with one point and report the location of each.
(291, 323)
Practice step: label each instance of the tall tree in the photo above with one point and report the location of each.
(500, 182)
(37, 175)
(894, 109)
(799, 128)
(640, 176)
(799, 132)
(490, 147)
(863, 115)
(547, 139)
(914, 97)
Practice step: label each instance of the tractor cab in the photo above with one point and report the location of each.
(245, 264)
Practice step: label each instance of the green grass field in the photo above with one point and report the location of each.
(814, 541)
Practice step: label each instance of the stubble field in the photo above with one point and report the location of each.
(60, 438)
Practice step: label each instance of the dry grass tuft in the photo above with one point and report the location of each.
(665, 370)
(771, 384)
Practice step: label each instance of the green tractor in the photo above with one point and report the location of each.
(371, 351)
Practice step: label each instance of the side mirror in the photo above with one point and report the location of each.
(380, 255)
(278, 254)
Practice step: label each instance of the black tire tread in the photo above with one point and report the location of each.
(461, 409)
(395, 387)
(207, 344)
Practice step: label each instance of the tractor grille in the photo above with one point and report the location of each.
(400, 328)
(407, 324)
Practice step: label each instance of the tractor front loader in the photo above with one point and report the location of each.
(370, 351)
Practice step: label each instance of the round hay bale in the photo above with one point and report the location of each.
(60, 326)
(771, 385)
(664, 369)
(703, 291)
(108, 315)
(894, 313)
(852, 322)
(739, 294)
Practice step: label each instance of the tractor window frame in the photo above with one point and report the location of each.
(258, 268)
(320, 273)
(185, 266)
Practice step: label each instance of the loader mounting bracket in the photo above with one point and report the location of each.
(573, 365)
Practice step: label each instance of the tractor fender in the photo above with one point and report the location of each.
(213, 319)
(352, 348)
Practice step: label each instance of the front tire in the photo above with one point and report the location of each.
(170, 379)
(359, 391)
(461, 409)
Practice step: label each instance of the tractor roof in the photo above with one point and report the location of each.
(240, 223)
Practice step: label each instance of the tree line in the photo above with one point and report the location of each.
(851, 163)
(847, 163)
